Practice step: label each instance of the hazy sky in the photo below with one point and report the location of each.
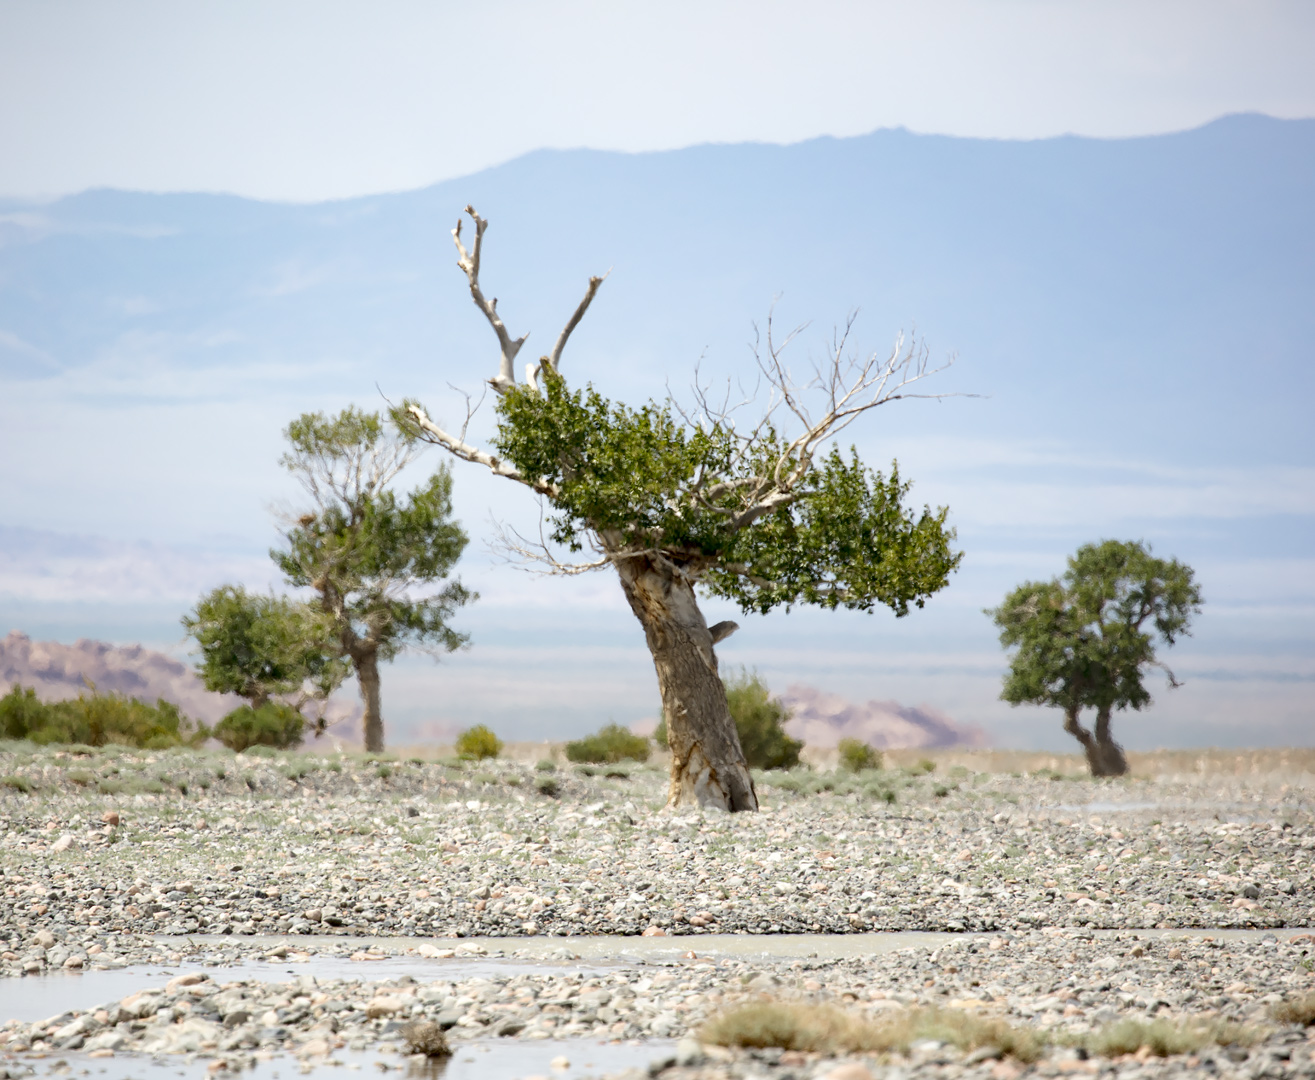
(309, 100)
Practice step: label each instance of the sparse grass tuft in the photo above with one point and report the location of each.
(1164, 1038)
(826, 1029)
(545, 766)
(81, 777)
(18, 783)
(1299, 1010)
(426, 1037)
(547, 785)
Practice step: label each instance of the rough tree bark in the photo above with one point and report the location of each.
(1112, 760)
(708, 766)
(1104, 755)
(366, 662)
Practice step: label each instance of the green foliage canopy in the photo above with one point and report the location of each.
(363, 549)
(259, 646)
(757, 520)
(1085, 640)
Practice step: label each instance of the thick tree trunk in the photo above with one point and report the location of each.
(1104, 755)
(366, 663)
(1112, 761)
(707, 763)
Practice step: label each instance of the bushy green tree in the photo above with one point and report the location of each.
(765, 511)
(1086, 639)
(368, 555)
(262, 647)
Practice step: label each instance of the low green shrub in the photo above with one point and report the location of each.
(17, 783)
(545, 766)
(274, 725)
(805, 782)
(547, 785)
(857, 756)
(608, 746)
(477, 743)
(95, 719)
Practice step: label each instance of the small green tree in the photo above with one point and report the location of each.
(1085, 640)
(262, 647)
(368, 554)
(680, 501)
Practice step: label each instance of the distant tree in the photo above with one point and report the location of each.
(675, 501)
(367, 554)
(263, 647)
(1085, 640)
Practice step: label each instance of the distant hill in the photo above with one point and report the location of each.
(821, 719)
(58, 672)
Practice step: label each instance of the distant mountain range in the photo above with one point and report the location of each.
(1152, 293)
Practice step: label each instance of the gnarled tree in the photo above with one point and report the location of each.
(1084, 641)
(676, 500)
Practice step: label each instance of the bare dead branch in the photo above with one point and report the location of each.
(469, 262)
(432, 433)
(554, 358)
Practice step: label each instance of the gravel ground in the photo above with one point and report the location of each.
(1061, 984)
(104, 848)
(222, 844)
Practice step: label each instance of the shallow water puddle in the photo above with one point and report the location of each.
(36, 997)
(506, 1059)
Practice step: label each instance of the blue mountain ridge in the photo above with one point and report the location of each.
(1149, 295)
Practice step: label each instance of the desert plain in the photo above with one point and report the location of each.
(953, 914)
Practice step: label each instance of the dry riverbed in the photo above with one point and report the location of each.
(1066, 894)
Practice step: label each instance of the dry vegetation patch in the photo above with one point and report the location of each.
(829, 1030)
(1299, 1010)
